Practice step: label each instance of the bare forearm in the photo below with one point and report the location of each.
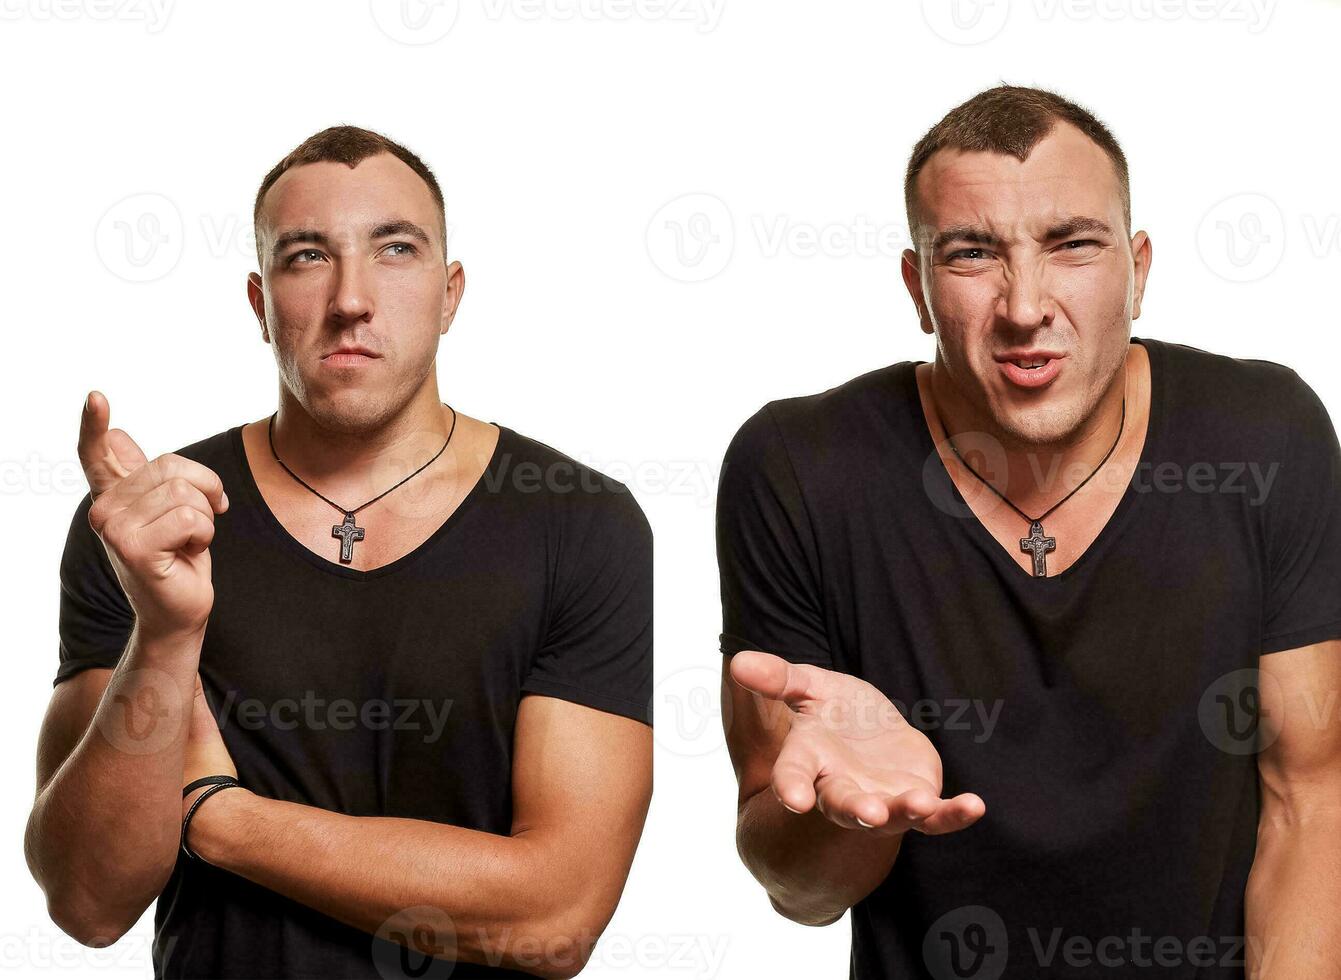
(812, 869)
(102, 837)
(1293, 894)
(469, 895)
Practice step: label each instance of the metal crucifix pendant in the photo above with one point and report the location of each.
(1040, 546)
(348, 534)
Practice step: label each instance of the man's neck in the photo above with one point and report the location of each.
(1035, 476)
(343, 450)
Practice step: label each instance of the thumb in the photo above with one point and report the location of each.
(772, 677)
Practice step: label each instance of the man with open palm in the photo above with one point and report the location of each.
(1028, 648)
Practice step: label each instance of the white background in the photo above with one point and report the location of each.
(567, 134)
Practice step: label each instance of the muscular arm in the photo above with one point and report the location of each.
(534, 900)
(812, 868)
(102, 837)
(1294, 888)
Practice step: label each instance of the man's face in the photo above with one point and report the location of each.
(353, 257)
(1021, 256)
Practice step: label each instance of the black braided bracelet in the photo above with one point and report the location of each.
(219, 782)
(205, 781)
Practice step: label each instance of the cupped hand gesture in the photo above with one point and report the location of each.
(850, 753)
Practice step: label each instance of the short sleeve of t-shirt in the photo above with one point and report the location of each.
(1302, 532)
(598, 643)
(95, 617)
(766, 557)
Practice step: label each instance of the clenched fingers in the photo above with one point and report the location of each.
(169, 467)
(172, 516)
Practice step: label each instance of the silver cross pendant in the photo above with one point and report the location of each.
(348, 534)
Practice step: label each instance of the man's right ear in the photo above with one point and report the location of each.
(911, 270)
(256, 298)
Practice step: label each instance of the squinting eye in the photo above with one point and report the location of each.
(964, 252)
(1085, 241)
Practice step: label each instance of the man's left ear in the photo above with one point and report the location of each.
(1142, 257)
(451, 297)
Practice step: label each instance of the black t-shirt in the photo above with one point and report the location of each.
(387, 692)
(1104, 714)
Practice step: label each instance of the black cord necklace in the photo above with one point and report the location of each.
(347, 532)
(1036, 542)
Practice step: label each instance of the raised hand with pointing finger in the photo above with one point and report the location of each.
(156, 520)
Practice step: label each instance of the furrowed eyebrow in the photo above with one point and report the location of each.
(973, 235)
(1077, 226)
(969, 234)
(386, 229)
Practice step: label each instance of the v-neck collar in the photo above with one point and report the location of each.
(974, 527)
(253, 493)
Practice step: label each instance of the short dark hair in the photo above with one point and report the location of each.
(1010, 119)
(350, 145)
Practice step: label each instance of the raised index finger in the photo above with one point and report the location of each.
(102, 466)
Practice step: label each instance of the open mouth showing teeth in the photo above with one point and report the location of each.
(1029, 365)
